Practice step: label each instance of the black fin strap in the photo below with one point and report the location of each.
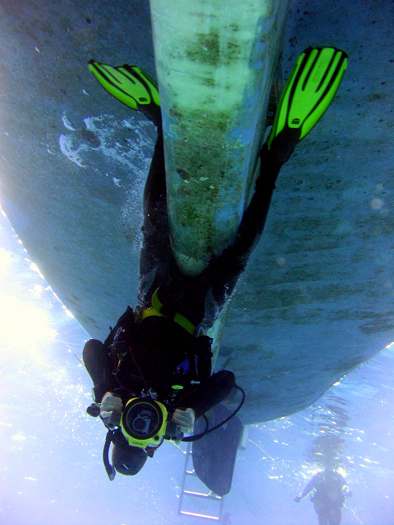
(108, 467)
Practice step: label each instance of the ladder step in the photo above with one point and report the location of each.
(206, 516)
(202, 495)
(210, 496)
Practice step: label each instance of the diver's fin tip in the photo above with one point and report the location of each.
(308, 92)
(131, 85)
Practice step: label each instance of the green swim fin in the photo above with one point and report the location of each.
(307, 94)
(131, 85)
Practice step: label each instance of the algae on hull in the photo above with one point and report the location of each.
(199, 173)
(215, 63)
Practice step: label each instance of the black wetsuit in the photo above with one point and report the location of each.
(160, 344)
(328, 498)
(198, 298)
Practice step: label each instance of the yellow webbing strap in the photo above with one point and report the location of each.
(177, 318)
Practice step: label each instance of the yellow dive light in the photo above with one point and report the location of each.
(144, 422)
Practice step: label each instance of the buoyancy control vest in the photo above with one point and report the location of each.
(158, 345)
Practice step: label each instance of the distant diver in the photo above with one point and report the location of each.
(329, 493)
(152, 375)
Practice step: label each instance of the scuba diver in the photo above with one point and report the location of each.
(330, 489)
(152, 376)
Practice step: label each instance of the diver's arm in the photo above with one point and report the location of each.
(308, 488)
(344, 486)
(216, 389)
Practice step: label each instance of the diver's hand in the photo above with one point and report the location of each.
(185, 419)
(297, 499)
(110, 403)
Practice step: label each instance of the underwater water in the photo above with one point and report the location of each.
(50, 449)
(317, 296)
(315, 301)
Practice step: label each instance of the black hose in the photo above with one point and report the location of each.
(209, 430)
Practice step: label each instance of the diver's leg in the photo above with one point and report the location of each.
(322, 512)
(254, 218)
(155, 195)
(225, 271)
(335, 515)
(156, 246)
(307, 94)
